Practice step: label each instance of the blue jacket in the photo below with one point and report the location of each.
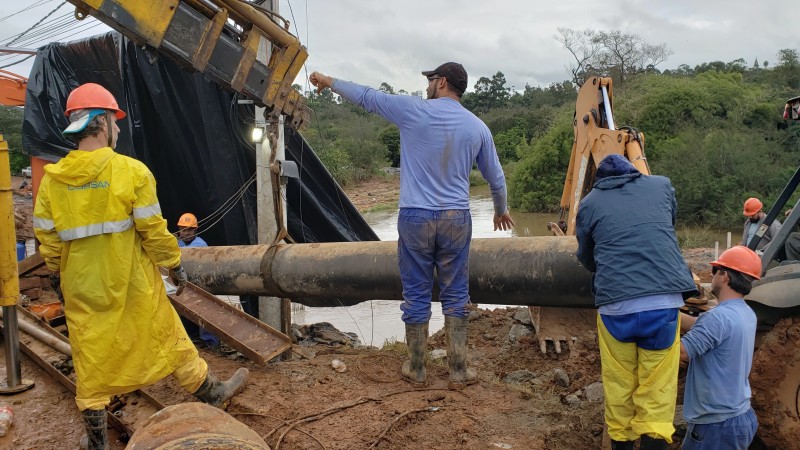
(626, 236)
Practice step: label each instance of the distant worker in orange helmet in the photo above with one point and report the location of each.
(99, 222)
(719, 349)
(753, 211)
(187, 237)
(187, 232)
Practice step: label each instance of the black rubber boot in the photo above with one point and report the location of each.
(413, 370)
(216, 393)
(96, 430)
(650, 443)
(460, 375)
(622, 445)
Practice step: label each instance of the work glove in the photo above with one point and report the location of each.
(179, 278)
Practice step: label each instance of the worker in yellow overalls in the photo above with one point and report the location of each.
(99, 223)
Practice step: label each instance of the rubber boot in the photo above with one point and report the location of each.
(460, 375)
(413, 370)
(650, 443)
(216, 393)
(96, 430)
(622, 445)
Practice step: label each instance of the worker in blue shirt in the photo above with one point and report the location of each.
(187, 232)
(187, 237)
(440, 140)
(719, 349)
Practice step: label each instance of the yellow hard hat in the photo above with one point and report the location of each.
(188, 220)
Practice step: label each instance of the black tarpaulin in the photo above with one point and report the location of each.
(192, 135)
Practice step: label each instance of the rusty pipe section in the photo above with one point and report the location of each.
(537, 271)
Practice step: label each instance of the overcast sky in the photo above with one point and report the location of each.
(378, 41)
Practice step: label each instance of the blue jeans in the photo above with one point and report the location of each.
(735, 433)
(433, 239)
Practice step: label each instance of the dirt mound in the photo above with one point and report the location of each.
(775, 381)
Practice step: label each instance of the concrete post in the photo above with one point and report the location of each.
(270, 309)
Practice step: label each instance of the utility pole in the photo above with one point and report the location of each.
(273, 311)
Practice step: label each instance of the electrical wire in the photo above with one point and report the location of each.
(44, 28)
(78, 31)
(230, 202)
(18, 62)
(37, 23)
(223, 210)
(29, 7)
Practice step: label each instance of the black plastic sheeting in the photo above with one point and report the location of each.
(192, 134)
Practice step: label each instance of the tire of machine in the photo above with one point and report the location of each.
(775, 384)
(194, 425)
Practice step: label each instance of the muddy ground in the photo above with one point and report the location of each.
(520, 402)
(525, 399)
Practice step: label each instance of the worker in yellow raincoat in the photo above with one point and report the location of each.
(99, 223)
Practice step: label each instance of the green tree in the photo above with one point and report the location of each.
(11, 129)
(489, 93)
(386, 87)
(538, 179)
(390, 137)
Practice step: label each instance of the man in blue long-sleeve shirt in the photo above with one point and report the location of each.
(719, 349)
(440, 140)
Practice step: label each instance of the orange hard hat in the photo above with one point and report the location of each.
(740, 259)
(751, 206)
(92, 96)
(188, 220)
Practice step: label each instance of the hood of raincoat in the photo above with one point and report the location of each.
(80, 166)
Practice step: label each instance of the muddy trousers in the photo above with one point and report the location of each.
(190, 376)
(640, 386)
(433, 240)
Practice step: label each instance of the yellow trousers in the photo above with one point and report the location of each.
(190, 376)
(640, 387)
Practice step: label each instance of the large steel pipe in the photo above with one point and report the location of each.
(539, 271)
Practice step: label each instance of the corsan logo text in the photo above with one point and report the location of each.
(90, 185)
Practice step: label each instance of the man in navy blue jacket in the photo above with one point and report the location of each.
(626, 236)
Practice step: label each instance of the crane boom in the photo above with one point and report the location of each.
(12, 88)
(219, 38)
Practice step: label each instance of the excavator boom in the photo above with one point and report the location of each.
(219, 38)
(595, 138)
(12, 88)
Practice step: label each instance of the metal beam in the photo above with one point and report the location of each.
(19, 50)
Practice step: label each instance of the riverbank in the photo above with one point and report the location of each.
(381, 192)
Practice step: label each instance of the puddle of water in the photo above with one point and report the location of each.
(378, 321)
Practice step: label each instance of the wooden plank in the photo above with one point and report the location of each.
(30, 264)
(29, 283)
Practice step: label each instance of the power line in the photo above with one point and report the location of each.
(40, 2)
(44, 27)
(50, 38)
(37, 23)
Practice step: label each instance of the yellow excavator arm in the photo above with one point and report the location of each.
(596, 137)
(219, 38)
